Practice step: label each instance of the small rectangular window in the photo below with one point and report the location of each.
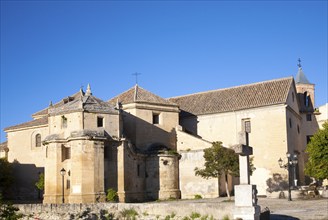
(64, 122)
(66, 153)
(68, 184)
(308, 138)
(248, 126)
(308, 117)
(155, 118)
(290, 122)
(100, 122)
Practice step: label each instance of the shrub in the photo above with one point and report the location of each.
(129, 214)
(40, 183)
(111, 195)
(204, 217)
(8, 211)
(197, 196)
(195, 215)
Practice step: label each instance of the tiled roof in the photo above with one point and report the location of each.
(235, 98)
(77, 102)
(44, 112)
(4, 146)
(138, 94)
(35, 122)
(86, 103)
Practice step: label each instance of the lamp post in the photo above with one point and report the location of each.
(62, 173)
(291, 163)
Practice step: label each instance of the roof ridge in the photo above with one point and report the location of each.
(235, 98)
(139, 94)
(233, 87)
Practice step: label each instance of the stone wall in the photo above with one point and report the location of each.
(269, 137)
(158, 210)
(191, 150)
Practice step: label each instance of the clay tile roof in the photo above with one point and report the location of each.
(44, 112)
(86, 103)
(138, 94)
(236, 98)
(35, 122)
(4, 146)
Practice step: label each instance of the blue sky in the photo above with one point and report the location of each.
(49, 49)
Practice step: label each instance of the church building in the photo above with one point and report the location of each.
(146, 147)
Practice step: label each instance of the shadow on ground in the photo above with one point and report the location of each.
(282, 217)
(266, 215)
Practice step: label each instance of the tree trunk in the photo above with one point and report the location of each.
(226, 185)
(219, 177)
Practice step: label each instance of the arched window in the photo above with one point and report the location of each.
(38, 140)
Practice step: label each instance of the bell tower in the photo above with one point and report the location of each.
(305, 91)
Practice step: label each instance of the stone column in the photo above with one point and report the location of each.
(121, 154)
(245, 194)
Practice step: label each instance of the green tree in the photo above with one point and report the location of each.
(6, 176)
(219, 161)
(40, 183)
(317, 149)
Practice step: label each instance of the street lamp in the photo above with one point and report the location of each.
(292, 162)
(62, 173)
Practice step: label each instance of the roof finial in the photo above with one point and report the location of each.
(299, 63)
(88, 92)
(136, 75)
(81, 91)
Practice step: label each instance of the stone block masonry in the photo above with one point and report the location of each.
(146, 211)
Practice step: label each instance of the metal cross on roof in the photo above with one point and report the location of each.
(136, 75)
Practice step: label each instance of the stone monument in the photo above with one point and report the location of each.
(246, 207)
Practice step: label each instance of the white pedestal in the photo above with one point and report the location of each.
(247, 213)
(246, 207)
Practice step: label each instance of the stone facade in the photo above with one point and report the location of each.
(146, 147)
(322, 115)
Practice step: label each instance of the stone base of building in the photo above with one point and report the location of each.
(87, 198)
(127, 196)
(169, 194)
(78, 198)
(53, 199)
(142, 196)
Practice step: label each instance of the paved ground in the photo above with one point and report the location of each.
(296, 209)
(282, 209)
